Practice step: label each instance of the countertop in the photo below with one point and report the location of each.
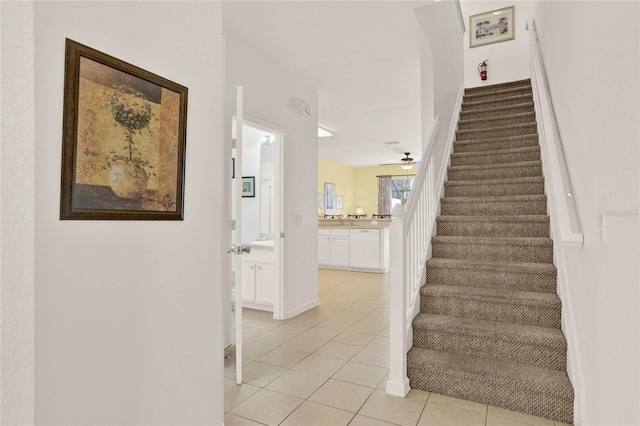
(353, 223)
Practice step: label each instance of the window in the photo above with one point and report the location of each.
(400, 189)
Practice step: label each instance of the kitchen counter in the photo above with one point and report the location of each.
(353, 223)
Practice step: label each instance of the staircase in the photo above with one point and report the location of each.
(489, 323)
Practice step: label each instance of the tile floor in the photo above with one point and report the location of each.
(328, 367)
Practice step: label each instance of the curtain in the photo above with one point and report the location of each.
(384, 194)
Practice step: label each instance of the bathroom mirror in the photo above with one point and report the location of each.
(266, 191)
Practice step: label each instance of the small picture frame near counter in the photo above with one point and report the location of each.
(248, 186)
(339, 201)
(329, 198)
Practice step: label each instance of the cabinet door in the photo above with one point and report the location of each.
(365, 248)
(340, 250)
(265, 283)
(248, 281)
(324, 249)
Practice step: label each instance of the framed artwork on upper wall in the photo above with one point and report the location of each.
(329, 198)
(339, 200)
(490, 27)
(123, 143)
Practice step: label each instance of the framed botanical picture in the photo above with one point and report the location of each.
(339, 200)
(248, 186)
(124, 137)
(329, 198)
(320, 196)
(490, 27)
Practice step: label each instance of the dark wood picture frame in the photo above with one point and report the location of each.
(123, 141)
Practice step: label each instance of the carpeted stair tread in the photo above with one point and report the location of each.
(493, 87)
(512, 241)
(498, 131)
(512, 181)
(502, 101)
(494, 304)
(496, 198)
(495, 156)
(494, 205)
(519, 387)
(491, 144)
(494, 171)
(494, 225)
(541, 346)
(516, 297)
(543, 336)
(527, 249)
(497, 111)
(523, 276)
(498, 93)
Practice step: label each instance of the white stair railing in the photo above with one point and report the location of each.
(410, 232)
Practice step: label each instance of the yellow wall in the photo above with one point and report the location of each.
(343, 177)
(358, 185)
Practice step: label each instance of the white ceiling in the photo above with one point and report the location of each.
(364, 58)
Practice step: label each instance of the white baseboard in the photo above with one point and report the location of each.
(302, 308)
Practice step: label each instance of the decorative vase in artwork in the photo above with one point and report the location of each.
(128, 180)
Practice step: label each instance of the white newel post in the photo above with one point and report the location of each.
(398, 383)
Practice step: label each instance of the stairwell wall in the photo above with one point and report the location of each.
(594, 82)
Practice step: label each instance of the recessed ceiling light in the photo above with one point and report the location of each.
(324, 133)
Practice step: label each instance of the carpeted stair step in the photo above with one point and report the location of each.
(497, 111)
(494, 226)
(490, 187)
(524, 388)
(493, 144)
(521, 276)
(505, 120)
(499, 131)
(503, 101)
(534, 250)
(495, 171)
(519, 307)
(513, 155)
(525, 344)
(503, 205)
(500, 93)
(496, 87)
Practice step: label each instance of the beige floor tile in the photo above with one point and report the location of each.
(419, 394)
(385, 332)
(297, 383)
(304, 344)
(518, 417)
(233, 420)
(267, 407)
(372, 357)
(312, 414)
(460, 403)
(338, 350)
(263, 325)
(361, 374)
(230, 364)
(359, 420)
(361, 307)
(342, 395)
(321, 333)
(380, 343)
(447, 415)
(255, 314)
(260, 374)
(320, 365)
(254, 350)
(401, 411)
(274, 337)
(346, 315)
(337, 323)
(293, 328)
(249, 332)
(283, 357)
(500, 421)
(235, 394)
(353, 338)
(383, 383)
(309, 320)
(367, 327)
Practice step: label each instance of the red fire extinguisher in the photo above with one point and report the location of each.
(482, 69)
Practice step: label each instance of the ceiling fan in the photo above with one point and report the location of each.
(406, 163)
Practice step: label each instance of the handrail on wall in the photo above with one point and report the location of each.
(561, 196)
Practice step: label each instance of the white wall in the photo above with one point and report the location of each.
(509, 60)
(268, 88)
(127, 313)
(442, 75)
(17, 212)
(594, 82)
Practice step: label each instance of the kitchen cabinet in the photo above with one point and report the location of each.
(354, 248)
(258, 279)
